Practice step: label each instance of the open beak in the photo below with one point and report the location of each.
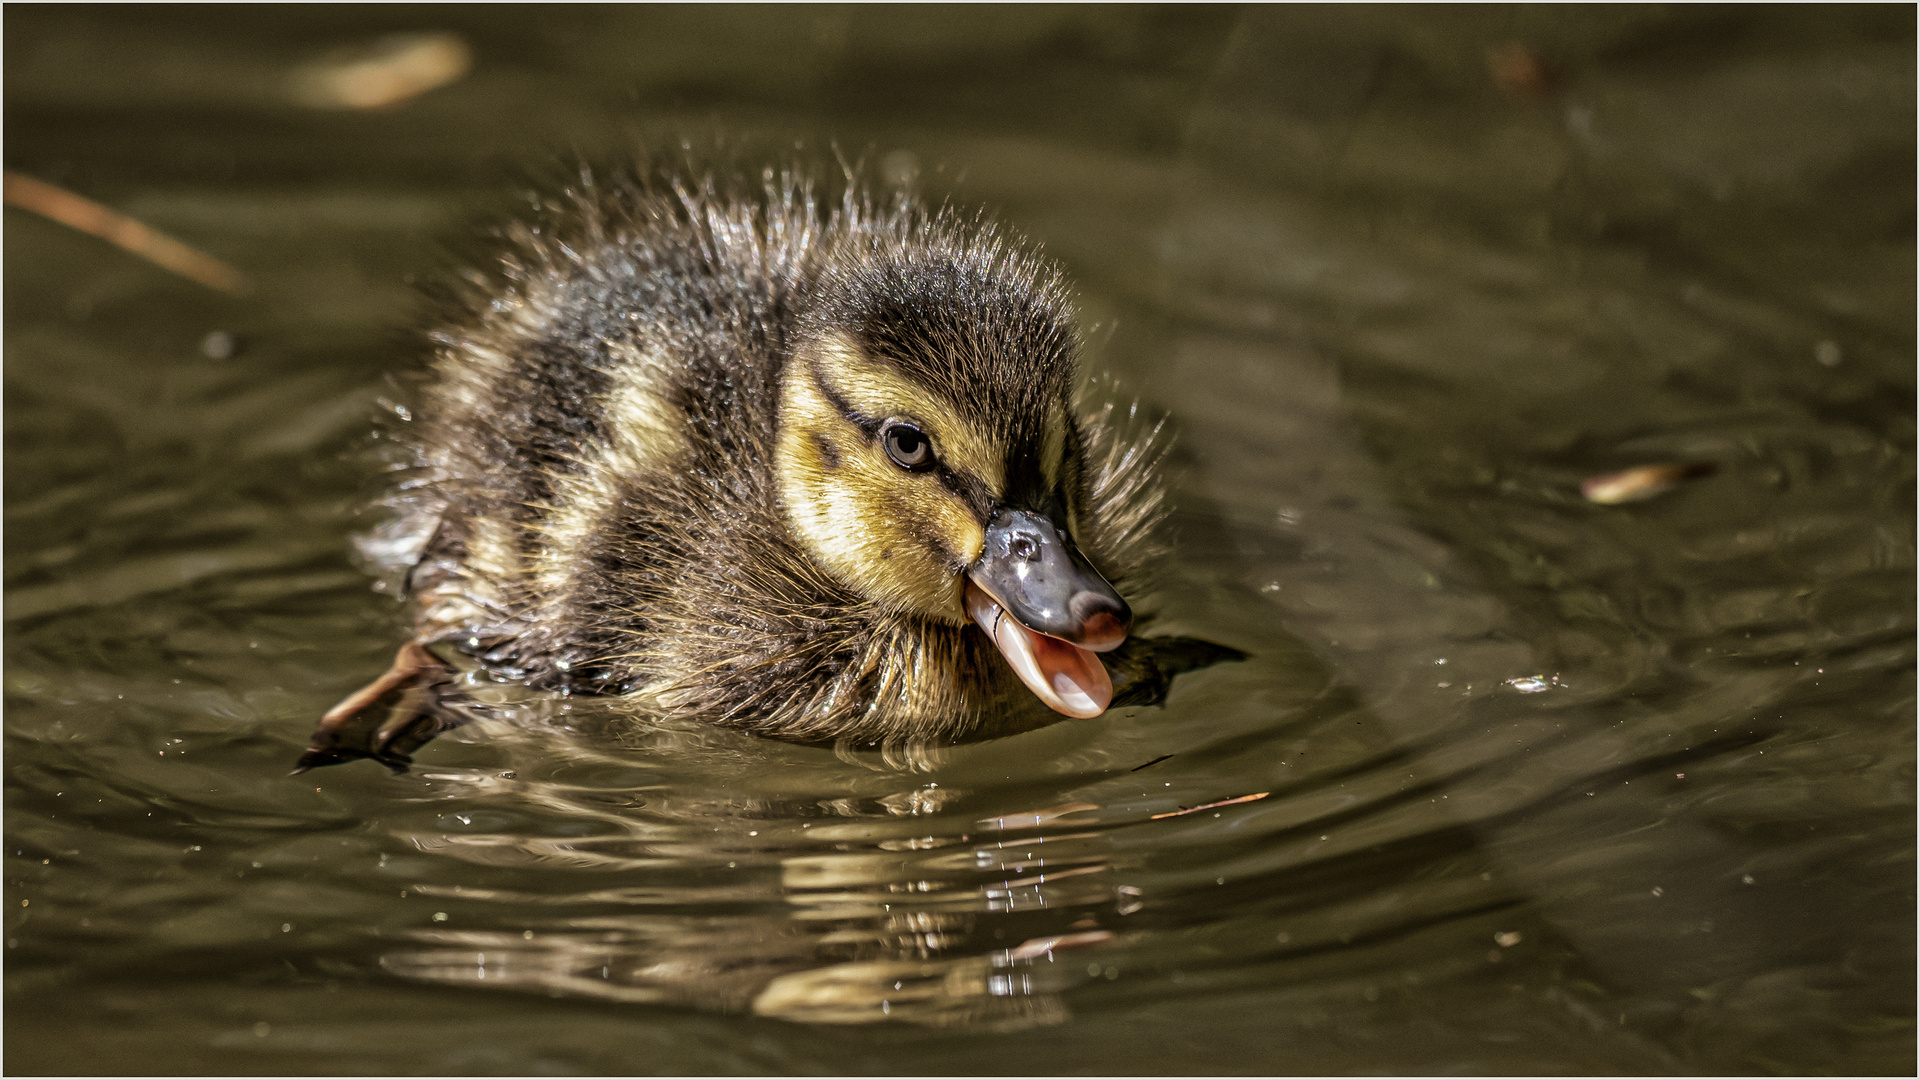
(1048, 611)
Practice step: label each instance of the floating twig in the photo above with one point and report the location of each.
(385, 72)
(1155, 761)
(1211, 805)
(63, 206)
(1034, 948)
(1038, 817)
(1643, 482)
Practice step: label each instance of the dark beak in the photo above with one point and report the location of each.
(1048, 611)
(1033, 570)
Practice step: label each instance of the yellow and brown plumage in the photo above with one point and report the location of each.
(768, 463)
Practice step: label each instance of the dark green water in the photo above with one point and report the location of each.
(1554, 787)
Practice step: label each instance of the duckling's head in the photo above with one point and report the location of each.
(928, 455)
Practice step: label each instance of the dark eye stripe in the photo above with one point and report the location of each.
(969, 489)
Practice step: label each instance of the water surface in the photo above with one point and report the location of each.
(1549, 786)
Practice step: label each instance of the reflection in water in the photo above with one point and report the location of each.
(849, 910)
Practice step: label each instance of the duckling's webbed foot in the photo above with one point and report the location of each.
(1143, 669)
(413, 693)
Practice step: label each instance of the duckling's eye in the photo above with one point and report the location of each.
(907, 445)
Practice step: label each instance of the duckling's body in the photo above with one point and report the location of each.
(772, 466)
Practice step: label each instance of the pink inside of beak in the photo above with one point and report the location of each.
(1068, 678)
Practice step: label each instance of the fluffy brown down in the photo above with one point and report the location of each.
(593, 508)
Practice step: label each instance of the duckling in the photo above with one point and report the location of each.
(809, 469)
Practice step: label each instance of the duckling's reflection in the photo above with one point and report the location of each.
(880, 903)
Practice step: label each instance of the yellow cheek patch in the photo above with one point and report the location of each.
(898, 538)
(878, 391)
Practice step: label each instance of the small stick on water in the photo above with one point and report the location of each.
(1211, 805)
(1644, 482)
(58, 204)
(1033, 948)
(1155, 761)
(1031, 818)
(384, 72)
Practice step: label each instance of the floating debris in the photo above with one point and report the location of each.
(1534, 684)
(1211, 806)
(1041, 946)
(385, 72)
(1155, 761)
(1644, 481)
(74, 211)
(1038, 817)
